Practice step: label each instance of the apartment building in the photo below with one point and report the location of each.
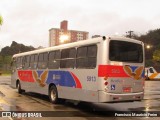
(62, 35)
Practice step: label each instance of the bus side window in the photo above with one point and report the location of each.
(23, 62)
(45, 60)
(33, 61)
(13, 64)
(54, 60)
(26, 61)
(19, 63)
(42, 60)
(86, 57)
(81, 61)
(68, 58)
(92, 56)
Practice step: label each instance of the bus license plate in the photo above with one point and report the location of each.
(127, 89)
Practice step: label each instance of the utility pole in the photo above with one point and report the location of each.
(130, 33)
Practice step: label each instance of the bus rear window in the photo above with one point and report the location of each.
(123, 51)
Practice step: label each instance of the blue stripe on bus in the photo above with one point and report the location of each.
(61, 78)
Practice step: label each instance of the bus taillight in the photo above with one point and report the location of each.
(106, 83)
(105, 78)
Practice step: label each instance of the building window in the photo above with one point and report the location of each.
(86, 57)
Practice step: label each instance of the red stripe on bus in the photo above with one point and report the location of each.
(78, 84)
(26, 76)
(111, 71)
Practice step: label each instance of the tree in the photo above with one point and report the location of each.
(156, 55)
(152, 38)
(1, 20)
(15, 48)
(7, 53)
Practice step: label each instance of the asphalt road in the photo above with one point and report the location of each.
(10, 100)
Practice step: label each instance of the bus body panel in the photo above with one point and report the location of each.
(125, 79)
(66, 81)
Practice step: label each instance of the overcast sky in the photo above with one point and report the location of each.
(28, 21)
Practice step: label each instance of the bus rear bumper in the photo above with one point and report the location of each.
(112, 97)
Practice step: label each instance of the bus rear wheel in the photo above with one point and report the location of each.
(53, 95)
(19, 87)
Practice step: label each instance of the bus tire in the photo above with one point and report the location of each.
(19, 88)
(53, 94)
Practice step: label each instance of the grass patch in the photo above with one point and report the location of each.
(5, 73)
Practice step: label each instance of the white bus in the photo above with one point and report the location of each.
(103, 69)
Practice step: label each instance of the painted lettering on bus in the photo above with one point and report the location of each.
(56, 77)
(91, 78)
(116, 81)
(115, 71)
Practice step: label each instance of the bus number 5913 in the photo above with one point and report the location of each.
(91, 78)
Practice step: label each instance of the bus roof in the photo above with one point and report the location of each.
(76, 44)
